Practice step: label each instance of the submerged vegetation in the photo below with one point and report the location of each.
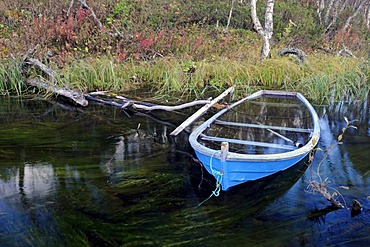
(179, 50)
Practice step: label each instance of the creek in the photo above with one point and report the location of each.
(104, 177)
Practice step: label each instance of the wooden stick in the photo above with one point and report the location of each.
(149, 106)
(72, 95)
(200, 112)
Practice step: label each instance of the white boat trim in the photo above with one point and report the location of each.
(312, 142)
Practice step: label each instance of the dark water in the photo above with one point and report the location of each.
(103, 177)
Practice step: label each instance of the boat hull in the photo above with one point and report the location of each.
(232, 173)
(249, 141)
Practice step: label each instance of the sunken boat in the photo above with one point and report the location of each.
(262, 134)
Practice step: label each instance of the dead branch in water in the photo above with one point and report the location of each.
(320, 188)
(124, 103)
(76, 97)
(50, 85)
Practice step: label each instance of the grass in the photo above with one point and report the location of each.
(324, 78)
(10, 78)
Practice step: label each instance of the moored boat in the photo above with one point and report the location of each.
(257, 136)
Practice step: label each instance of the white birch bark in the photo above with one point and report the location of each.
(267, 31)
(368, 16)
(328, 11)
(349, 19)
(320, 7)
(230, 14)
(336, 12)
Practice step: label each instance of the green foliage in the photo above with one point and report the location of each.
(10, 78)
(335, 79)
(175, 48)
(121, 13)
(294, 22)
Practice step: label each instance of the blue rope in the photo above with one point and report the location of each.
(218, 176)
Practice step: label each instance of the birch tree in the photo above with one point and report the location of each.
(333, 10)
(266, 31)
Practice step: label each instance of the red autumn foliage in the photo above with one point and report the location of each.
(146, 43)
(81, 14)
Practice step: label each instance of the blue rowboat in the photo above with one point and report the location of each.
(260, 135)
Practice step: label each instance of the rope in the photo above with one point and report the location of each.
(218, 175)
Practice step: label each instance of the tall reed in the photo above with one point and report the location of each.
(10, 78)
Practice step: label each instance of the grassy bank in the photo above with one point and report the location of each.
(179, 51)
(323, 78)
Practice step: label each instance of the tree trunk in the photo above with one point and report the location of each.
(230, 14)
(349, 19)
(266, 47)
(328, 11)
(320, 7)
(265, 33)
(368, 16)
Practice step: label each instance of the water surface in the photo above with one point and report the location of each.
(104, 177)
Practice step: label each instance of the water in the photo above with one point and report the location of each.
(103, 177)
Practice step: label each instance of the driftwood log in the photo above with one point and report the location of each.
(51, 86)
(76, 97)
(124, 102)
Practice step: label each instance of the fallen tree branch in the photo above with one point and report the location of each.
(82, 99)
(317, 187)
(51, 73)
(201, 111)
(70, 7)
(345, 52)
(70, 94)
(124, 103)
(28, 61)
(85, 6)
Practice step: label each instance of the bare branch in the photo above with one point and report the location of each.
(70, 7)
(345, 52)
(124, 102)
(349, 19)
(316, 187)
(230, 14)
(328, 11)
(320, 7)
(70, 94)
(85, 6)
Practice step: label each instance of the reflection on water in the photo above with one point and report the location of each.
(102, 177)
(291, 117)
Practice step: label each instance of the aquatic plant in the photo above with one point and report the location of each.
(322, 185)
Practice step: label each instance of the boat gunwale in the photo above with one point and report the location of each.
(232, 156)
(246, 142)
(262, 126)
